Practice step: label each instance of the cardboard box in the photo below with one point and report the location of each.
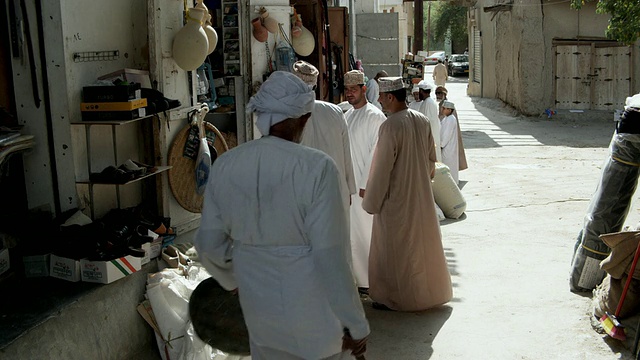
(111, 93)
(106, 272)
(5, 264)
(131, 75)
(114, 105)
(64, 268)
(113, 115)
(37, 265)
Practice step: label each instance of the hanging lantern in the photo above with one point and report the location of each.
(305, 43)
(190, 45)
(212, 36)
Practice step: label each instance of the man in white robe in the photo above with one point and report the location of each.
(449, 137)
(373, 89)
(273, 227)
(326, 130)
(415, 104)
(363, 121)
(429, 108)
(407, 266)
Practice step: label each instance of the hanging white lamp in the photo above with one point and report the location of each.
(305, 43)
(191, 44)
(212, 36)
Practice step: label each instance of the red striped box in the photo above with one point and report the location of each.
(106, 272)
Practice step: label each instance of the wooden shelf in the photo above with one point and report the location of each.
(159, 169)
(110, 122)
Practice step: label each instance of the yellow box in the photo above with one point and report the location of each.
(114, 106)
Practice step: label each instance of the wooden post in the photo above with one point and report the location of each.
(418, 27)
(428, 27)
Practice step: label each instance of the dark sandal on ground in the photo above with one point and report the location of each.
(380, 306)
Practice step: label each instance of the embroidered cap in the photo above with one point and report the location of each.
(389, 84)
(448, 105)
(354, 77)
(307, 72)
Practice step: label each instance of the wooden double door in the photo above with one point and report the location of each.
(592, 76)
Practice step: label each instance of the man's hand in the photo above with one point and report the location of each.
(361, 193)
(357, 347)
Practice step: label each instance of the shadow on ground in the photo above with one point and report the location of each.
(412, 340)
(562, 129)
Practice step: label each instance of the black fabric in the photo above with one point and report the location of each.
(629, 122)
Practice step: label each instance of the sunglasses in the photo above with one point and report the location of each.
(439, 93)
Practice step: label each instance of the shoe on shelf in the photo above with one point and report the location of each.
(130, 167)
(112, 175)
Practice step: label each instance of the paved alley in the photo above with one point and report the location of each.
(527, 189)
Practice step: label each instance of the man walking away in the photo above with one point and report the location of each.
(326, 130)
(273, 227)
(407, 267)
(440, 74)
(363, 121)
(372, 89)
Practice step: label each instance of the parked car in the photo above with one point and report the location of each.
(458, 64)
(433, 58)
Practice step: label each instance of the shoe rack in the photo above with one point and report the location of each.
(113, 123)
(231, 23)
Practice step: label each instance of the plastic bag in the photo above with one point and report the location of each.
(203, 161)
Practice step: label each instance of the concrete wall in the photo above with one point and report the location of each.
(103, 324)
(517, 52)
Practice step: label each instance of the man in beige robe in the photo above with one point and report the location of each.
(407, 267)
(440, 74)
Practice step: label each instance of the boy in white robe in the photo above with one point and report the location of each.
(274, 227)
(449, 138)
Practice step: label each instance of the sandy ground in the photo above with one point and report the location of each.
(527, 189)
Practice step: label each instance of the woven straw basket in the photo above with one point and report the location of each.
(182, 177)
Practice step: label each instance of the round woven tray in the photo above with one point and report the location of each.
(182, 176)
(217, 318)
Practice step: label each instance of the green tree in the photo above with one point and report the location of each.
(624, 25)
(454, 17)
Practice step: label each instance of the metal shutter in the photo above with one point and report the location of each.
(477, 53)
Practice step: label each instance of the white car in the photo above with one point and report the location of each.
(433, 58)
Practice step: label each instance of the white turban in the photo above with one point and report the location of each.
(425, 85)
(282, 96)
(633, 101)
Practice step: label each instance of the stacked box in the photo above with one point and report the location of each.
(64, 268)
(120, 102)
(37, 265)
(106, 272)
